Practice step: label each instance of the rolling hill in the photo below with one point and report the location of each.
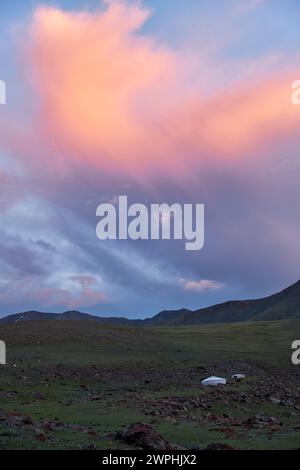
(33, 315)
(280, 306)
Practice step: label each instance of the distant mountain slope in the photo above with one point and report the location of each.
(69, 315)
(280, 306)
(283, 305)
(169, 317)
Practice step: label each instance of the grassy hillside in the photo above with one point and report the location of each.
(75, 384)
(82, 343)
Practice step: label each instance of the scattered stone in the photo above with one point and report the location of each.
(27, 420)
(41, 436)
(219, 446)
(39, 396)
(144, 436)
(275, 401)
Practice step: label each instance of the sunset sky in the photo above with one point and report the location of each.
(163, 101)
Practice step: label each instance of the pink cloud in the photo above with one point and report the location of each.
(50, 296)
(114, 99)
(101, 86)
(55, 297)
(200, 285)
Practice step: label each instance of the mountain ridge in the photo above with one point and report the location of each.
(279, 306)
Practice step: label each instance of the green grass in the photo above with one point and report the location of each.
(97, 376)
(83, 343)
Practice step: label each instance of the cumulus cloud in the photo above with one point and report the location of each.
(107, 104)
(200, 285)
(117, 100)
(102, 87)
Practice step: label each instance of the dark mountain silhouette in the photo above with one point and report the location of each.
(69, 315)
(280, 306)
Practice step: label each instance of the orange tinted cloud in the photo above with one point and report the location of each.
(244, 118)
(102, 88)
(113, 98)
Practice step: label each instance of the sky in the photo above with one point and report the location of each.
(169, 101)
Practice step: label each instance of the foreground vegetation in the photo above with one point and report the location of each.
(75, 384)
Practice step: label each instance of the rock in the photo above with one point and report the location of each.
(39, 396)
(91, 447)
(27, 420)
(41, 436)
(275, 401)
(144, 436)
(218, 446)
(273, 420)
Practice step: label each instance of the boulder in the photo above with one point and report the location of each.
(144, 436)
(219, 446)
